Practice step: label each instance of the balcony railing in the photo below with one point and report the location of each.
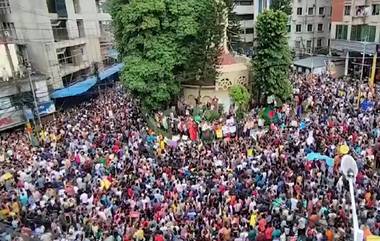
(353, 46)
(362, 11)
(5, 7)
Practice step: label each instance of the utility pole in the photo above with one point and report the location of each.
(32, 88)
(363, 59)
(31, 84)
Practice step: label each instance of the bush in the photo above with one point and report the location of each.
(240, 96)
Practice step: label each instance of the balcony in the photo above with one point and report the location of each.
(10, 36)
(72, 59)
(5, 7)
(362, 11)
(106, 39)
(354, 46)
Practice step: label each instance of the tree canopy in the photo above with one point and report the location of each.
(240, 96)
(162, 40)
(282, 5)
(272, 60)
(233, 28)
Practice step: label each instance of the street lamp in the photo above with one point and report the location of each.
(350, 169)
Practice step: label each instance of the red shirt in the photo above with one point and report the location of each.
(159, 237)
(268, 233)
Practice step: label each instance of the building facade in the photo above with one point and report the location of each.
(355, 32)
(244, 10)
(309, 26)
(63, 38)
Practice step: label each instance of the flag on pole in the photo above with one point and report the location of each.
(373, 71)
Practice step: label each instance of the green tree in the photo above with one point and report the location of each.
(233, 28)
(163, 42)
(272, 60)
(282, 5)
(205, 46)
(240, 96)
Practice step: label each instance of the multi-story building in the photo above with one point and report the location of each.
(63, 38)
(355, 32)
(309, 26)
(244, 10)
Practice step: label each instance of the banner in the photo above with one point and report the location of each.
(11, 119)
(46, 108)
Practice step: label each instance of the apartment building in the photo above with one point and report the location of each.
(355, 33)
(63, 38)
(244, 10)
(309, 26)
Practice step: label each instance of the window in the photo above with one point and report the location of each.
(297, 44)
(347, 10)
(76, 6)
(320, 27)
(245, 17)
(80, 26)
(341, 32)
(249, 30)
(299, 11)
(5, 6)
(289, 28)
(298, 28)
(8, 29)
(244, 2)
(98, 6)
(363, 33)
(308, 44)
(51, 6)
(321, 11)
(58, 7)
(319, 42)
(310, 27)
(376, 9)
(310, 11)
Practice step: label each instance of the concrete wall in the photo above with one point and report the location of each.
(306, 19)
(5, 67)
(207, 93)
(33, 25)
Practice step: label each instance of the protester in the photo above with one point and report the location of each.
(100, 173)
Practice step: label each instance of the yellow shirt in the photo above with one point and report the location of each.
(253, 220)
(250, 152)
(139, 234)
(219, 133)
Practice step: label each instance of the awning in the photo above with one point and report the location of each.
(110, 71)
(312, 62)
(75, 89)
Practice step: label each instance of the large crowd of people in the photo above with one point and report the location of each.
(99, 172)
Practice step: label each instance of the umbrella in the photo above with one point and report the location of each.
(6, 176)
(343, 149)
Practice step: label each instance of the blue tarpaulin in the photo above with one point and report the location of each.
(83, 86)
(75, 89)
(318, 156)
(110, 71)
